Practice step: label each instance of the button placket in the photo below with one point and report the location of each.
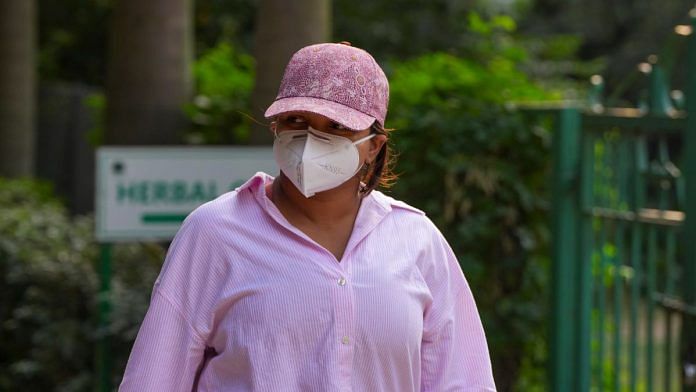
(345, 320)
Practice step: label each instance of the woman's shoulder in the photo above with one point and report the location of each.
(215, 209)
(395, 204)
(414, 220)
(420, 234)
(236, 205)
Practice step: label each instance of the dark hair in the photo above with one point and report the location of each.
(380, 172)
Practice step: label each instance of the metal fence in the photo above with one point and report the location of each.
(624, 252)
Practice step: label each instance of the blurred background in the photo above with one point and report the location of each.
(505, 139)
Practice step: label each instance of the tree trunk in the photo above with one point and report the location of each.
(282, 27)
(148, 71)
(17, 87)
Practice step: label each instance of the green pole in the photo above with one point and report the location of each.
(583, 265)
(103, 346)
(659, 102)
(688, 349)
(565, 222)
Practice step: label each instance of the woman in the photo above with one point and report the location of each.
(313, 281)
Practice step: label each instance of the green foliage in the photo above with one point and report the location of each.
(224, 79)
(218, 21)
(72, 36)
(480, 171)
(561, 47)
(415, 27)
(96, 105)
(49, 288)
(480, 26)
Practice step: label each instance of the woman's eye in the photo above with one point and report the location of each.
(297, 120)
(335, 125)
(294, 120)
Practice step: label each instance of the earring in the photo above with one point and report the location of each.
(365, 170)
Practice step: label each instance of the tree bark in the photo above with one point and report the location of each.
(282, 27)
(17, 87)
(148, 71)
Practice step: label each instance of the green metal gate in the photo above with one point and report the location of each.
(624, 252)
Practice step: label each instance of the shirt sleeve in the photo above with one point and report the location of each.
(166, 353)
(172, 338)
(454, 352)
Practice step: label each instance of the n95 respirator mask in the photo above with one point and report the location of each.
(316, 161)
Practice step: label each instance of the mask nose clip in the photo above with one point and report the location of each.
(320, 136)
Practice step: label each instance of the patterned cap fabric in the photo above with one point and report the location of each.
(338, 81)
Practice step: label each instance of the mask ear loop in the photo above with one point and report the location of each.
(366, 138)
(365, 166)
(274, 129)
(365, 169)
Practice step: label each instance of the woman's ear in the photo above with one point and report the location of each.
(376, 144)
(273, 127)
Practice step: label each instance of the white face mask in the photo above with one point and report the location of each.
(316, 161)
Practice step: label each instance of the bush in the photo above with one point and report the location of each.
(48, 293)
(480, 172)
(220, 111)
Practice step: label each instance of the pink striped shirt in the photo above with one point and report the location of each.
(395, 314)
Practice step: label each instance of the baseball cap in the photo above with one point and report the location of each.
(339, 81)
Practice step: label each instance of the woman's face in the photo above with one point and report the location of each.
(303, 120)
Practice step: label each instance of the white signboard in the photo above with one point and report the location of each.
(144, 193)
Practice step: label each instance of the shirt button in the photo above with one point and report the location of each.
(345, 340)
(342, 281)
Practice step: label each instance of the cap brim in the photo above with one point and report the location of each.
(342, 114)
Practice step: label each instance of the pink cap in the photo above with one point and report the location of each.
(338, 81)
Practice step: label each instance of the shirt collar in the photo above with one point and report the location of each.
(373, 209)
(256, 185)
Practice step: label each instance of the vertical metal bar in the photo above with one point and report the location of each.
(669, 290)
(601, 185)
(651, 266)
(636, 242)
(623, 178)
(601, 303)
(103, 347)
(565, 222)
(584, 292)
(668, 350)
(659, 101)
(662, 203)
(600, 291)
(618, 196)
(670, 261)
(623, 172)
(636, 259)
(640, 170)
(688, 340)
(618, 300)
